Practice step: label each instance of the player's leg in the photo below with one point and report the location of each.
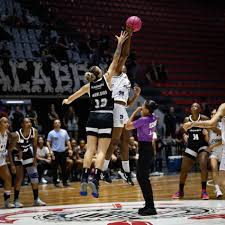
(186, 166)
(17, 185)
(6, 177)
(203, 157)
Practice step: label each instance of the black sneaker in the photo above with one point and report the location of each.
(129, 179)
(106, 177)
(66, 185)
(94, 185)
(57, 184)
(147, 211)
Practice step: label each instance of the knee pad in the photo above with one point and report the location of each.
(33, 174)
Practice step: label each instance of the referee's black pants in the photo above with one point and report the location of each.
(60, 160)
(146, 158)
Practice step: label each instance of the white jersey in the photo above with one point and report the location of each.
(3, 150)
(223, 129)
(121, 88)
(214, 137)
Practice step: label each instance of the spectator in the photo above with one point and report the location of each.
(170, 123)
(43, 159)
(70, 122)
(16, 118)
(52, 115)
(58, 141)
(180, 145)
(133, 153)
(32, 115)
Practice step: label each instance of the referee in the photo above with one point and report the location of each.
(145, 126)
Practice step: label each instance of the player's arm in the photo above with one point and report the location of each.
(13, 138)
(185, 134)
(83, 90)
(130, 125)
(125, 51)
(35, 145)
(137, 91)
(112, 68)
(208, 123)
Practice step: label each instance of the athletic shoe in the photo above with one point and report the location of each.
(8, 205)
(94, 187)
(126, 177)
(38, 202)
(17, 204)
(219, 194)
(57, 184)
(83, 187)
(178, 195)
(204, 195)
(129, 179)
(43, 181)
(147, 211)
(106, 177)
(66, 185)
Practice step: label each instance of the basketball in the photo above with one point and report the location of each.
(134, 22)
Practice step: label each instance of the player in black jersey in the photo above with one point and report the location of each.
(218, 117)
(100, 121)
(27, 145)
(196, 148)
(6, 139)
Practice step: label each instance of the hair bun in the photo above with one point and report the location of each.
(90, 77)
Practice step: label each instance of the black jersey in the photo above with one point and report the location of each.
(101, 95)
(26, 145)
(196, 138)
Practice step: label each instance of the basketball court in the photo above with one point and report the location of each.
(118, 205)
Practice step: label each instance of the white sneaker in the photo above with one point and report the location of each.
(43, 181)
(38, 202)
(121, 174)
(17, 204)
(218, 193)
(8, 205)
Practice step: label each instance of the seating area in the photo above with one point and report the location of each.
(191, 49)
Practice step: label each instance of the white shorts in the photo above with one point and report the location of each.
(120, 116)
(3, 158)
(222, 163)
(217, 153)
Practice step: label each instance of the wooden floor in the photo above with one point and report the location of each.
(118, 191)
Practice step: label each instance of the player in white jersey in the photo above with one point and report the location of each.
(219, 116)
(121, 90)
(216, 148)
(5, 137)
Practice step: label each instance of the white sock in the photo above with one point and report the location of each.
(217, 187)
(126, 166)
(105, 165)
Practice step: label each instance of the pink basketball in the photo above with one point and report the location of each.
(134, 22)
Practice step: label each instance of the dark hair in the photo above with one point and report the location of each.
(151, 105)
(93, 74)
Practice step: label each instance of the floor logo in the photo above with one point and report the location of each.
(169, 213)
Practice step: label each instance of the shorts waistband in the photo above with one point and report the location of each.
(103, 111)
(120, 102)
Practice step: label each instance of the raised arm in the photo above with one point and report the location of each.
(112, 68)
(83, 90)
(137, 91)
(125, 51)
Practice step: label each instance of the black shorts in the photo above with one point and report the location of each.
(15, 156)
(193, 152)
(100, 124)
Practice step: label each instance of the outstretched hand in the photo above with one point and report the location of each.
(65, 101)
(122, 38)
(137, 90)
